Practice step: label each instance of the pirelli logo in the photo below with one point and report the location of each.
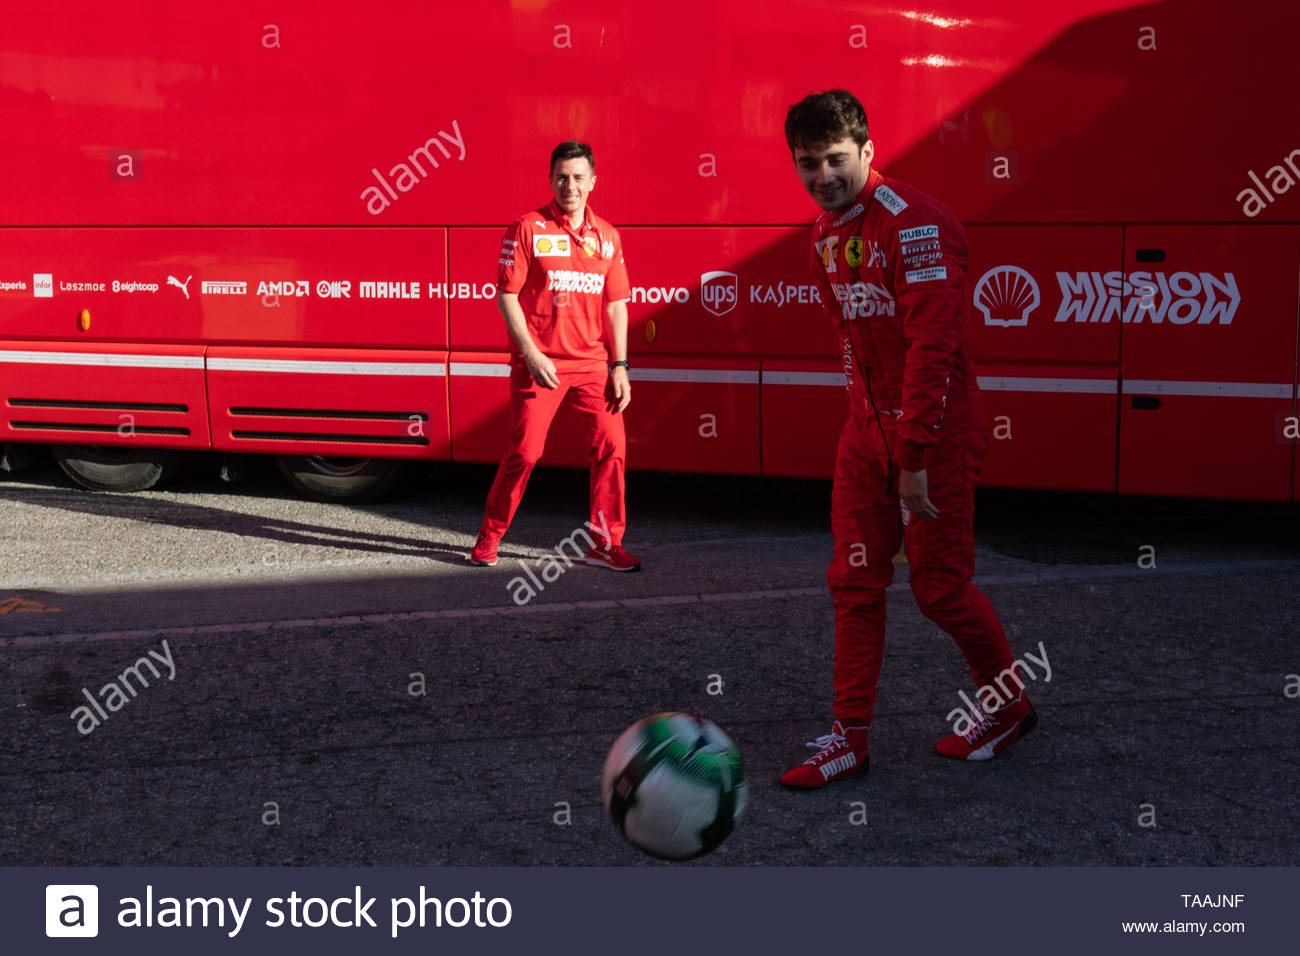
(225, 288)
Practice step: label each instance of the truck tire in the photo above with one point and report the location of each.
(324, 478)
(116, 467)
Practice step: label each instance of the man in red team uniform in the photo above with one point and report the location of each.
(891, 266)
(561, 282)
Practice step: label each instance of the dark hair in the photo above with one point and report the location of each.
(572, 149)
(820, 119)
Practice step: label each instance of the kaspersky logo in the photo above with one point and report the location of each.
(1181, 298)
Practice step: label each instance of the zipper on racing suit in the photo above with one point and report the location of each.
(891, 478)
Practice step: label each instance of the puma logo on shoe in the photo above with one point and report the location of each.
(986, 752)
(845, 762)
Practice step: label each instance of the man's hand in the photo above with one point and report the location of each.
(912, 491)
(542, 369)
(622, 389)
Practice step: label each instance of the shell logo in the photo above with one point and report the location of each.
(1006, 295)
(543, 244)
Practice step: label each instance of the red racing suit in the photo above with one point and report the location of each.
(892, 272)
(564, 278)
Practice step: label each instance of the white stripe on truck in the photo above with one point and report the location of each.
(101, 359)
(302, 367)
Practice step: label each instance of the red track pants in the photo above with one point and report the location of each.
(867, 522)
(532, 408)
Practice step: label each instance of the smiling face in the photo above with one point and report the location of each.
(834, 173)
(572, 180)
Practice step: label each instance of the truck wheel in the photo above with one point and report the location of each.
(116, 467)
(339, 479)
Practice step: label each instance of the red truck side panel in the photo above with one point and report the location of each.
(82, 393)
(1210, 368)
(341, 402)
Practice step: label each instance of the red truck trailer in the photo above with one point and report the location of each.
(275, 232)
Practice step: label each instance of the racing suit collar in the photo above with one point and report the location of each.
(562, 217)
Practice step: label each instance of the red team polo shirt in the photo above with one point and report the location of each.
(564, 278)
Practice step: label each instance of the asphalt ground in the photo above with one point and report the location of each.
(294, 730)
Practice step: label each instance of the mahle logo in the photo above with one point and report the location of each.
(719, 291)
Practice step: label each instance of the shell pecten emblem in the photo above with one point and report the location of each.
(543, 244)
(1006, 295)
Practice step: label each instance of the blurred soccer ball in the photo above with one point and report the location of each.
(674, 786)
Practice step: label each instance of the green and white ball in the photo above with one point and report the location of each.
(674, 786)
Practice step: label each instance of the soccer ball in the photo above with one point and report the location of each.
(674, 786)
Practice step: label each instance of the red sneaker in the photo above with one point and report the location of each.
(990, 734)
(613, 557)
(840, 754)
(485, 550)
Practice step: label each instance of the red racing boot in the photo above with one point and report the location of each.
(485, 550)
(840, 754)
(990, 734)
(613, 557)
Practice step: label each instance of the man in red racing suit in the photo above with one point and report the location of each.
(891, 264)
